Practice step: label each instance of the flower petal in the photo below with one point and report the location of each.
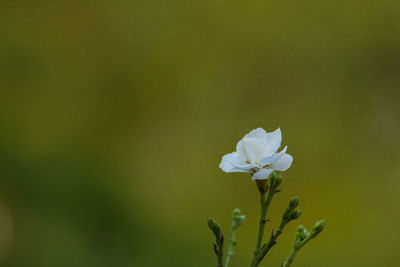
(274, 140)
(262, 174)
(258, 133)
(231, 163)
(257, 136)
(251, 149)
(250, 144)
(273, 158)
(283, 163)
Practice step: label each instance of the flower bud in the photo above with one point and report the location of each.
(215, 228)
(235, 213)
(300, 232)
(300, 229)
(237, 219)
(291, 213)
(318, 227)
(275, 180)
(294, 215)
(294, 202)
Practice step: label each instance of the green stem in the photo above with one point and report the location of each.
(271, 242)
(296, 247)
(237, 220)
(220, 246)
(219, 263)
(231, 245)
(290, 258)
(302, 237)
(263, 250)
(219, 256)
(261, 226)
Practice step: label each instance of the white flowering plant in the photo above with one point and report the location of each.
(257, 154)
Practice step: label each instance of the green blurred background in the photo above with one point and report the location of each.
(114, 116)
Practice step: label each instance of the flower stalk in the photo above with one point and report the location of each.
(290, 214)
(237, 220)
(275, 181)
(302, 237)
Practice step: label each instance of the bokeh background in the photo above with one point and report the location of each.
(114, 116)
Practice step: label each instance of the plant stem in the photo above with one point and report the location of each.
(231, 245)
(237, 220)
(264, 203)
(263, 250)
(220, 247)
(290, 258)
(271, 242)
(261, 224)
(298, 244)
(218, 244)
(302, 237)
(219, 262)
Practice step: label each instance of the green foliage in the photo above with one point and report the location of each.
(291, 213)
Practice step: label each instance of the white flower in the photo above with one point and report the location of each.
(257, 155)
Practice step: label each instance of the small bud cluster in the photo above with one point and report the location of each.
(214, 227)
(301, 233)
(291, 213)
(218, 244)
(237, 219)
(318, 227)
(303, 236)
(275, 181)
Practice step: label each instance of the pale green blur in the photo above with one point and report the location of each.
(114, 116)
